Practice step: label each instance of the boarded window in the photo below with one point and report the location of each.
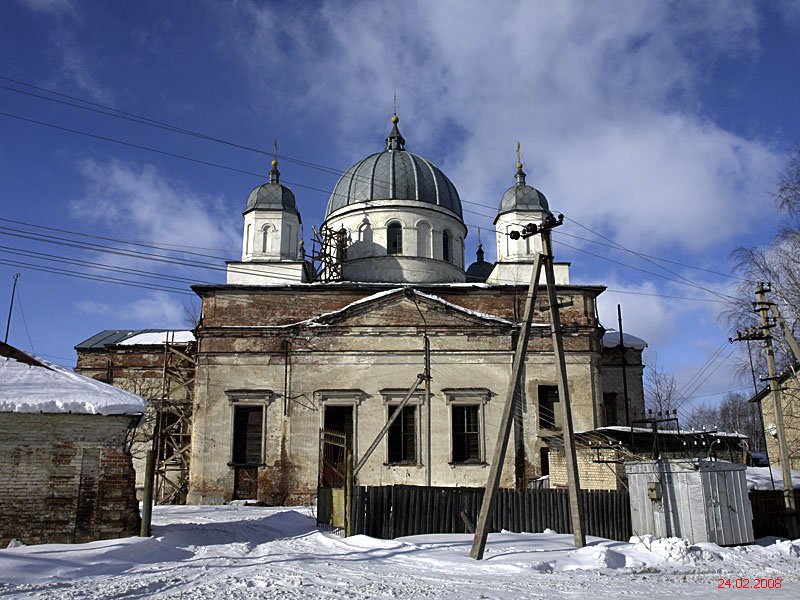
(548, 398)
(247, 434)
(466, 433)
(403, 436)
(394, 238)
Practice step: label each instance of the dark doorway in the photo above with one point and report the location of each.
(339, 419)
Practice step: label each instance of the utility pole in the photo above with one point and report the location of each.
(573, 481)
(623, 354)
(762, 308)
(496, 468)
(748, 335)
(11, 306)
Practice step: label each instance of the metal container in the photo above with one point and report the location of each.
(700, 500)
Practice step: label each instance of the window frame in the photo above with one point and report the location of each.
(394, 226)
(447, 246)
(468, 397)
(393, 397)
(262, 398)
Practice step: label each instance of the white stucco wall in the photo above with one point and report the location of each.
(421, 259)
(281, 229)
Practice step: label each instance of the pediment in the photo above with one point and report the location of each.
(396, 309)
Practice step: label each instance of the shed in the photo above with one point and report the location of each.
(700, 500)
(65, 464)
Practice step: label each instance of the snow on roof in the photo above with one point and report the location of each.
(611, 340)
(758, 478)
(315, 320)
(151, 338)
(50, 388)
(623, 428)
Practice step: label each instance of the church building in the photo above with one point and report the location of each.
(289, 346)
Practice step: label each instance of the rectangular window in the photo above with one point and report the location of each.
(466, 433)
(548, 399)
(248, 435)
(403, 436)
(610, 407)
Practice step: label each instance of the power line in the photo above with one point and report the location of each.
(684, 282)
(666, 260)
(83, 275)
(645, 258)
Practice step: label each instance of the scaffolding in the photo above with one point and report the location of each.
(173, 427)
(328, 252)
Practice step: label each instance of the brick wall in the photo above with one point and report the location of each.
(593, 475)
(65, 478)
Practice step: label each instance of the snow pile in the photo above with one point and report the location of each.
(758, 478)
(675, 550)
(204, 552)
(54, 389)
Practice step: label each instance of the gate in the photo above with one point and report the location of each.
(334, 489)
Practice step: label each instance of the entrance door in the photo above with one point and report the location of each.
(338, 419)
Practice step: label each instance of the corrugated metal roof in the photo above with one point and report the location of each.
(107, 337)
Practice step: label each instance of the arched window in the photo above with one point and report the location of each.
(424, 239)
(264, 239)
(446, 253)
(394, 238)
(365, 233)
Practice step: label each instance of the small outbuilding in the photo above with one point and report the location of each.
(65, 464)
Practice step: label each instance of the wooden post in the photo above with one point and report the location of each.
(573, 480)
(349, 513)
(496, 468)
(363, 460)
(428, 463)
(787, 332)
(147, 500)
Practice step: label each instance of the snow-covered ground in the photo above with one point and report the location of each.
(251, 552)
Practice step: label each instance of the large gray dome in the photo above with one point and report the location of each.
(394, 174)
(522, 197)
(272, 196)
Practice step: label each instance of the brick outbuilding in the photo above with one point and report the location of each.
(65, 465)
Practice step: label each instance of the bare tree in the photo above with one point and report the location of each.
(703, 417)
(191, 313)
(775, 263)
(661, 390)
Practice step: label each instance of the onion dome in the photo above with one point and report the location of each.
(394, 174)
(480, 270)
(272, 195)
(522, 197)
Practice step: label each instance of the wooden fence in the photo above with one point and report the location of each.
(393, 511)
(769, 512)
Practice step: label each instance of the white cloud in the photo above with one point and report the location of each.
(54, 7)
(143, 204)
(606, 99)
(92, 307)
(155, 309)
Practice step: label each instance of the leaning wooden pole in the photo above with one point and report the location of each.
(496, 468)
(573, 480)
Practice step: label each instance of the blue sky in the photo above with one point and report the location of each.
(662, 126)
